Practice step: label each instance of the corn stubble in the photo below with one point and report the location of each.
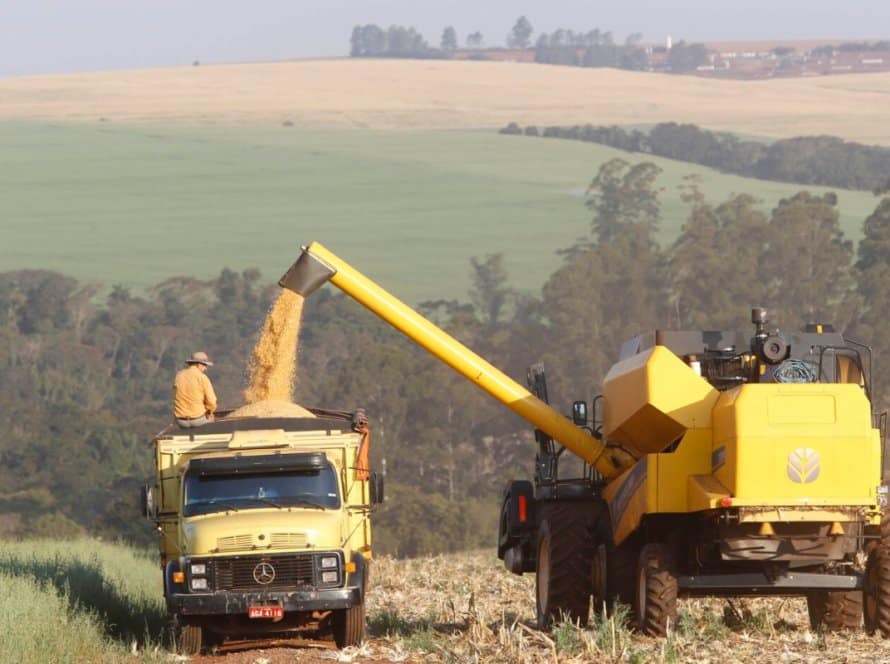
(467, 608)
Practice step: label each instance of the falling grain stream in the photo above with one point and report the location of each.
(273, 363)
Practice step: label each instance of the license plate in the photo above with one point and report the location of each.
(265, 612)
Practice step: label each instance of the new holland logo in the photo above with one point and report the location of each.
(804, 465)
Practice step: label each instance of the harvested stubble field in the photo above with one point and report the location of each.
(467, 608)
(88, 601)
(412, 94)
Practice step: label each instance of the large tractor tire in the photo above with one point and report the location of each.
(190, 639)
(876, 591)
(565, 553)
(621, 573)
(835, 611)
(349, 626)
(655, 604)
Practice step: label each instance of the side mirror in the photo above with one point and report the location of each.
(579, 413)
(147, 500)
(375, 489)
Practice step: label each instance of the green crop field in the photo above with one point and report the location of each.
(135, 204)
(82, 601)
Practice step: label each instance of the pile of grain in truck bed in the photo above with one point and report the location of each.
(273, 364)
(271, 408)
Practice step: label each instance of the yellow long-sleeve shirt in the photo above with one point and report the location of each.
(193, 394)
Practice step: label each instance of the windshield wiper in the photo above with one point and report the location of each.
(213, 503)
(305, 502)
(265, 500)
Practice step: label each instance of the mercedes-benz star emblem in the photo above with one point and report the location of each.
(264, 574)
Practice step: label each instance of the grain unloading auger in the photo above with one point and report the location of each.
(725, 464)
(317, 265)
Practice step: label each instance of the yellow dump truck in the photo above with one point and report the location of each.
(264, 527)
(719, 463)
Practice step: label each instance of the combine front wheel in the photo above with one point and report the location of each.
(835, 611)
(656, 592)
(562, 579)
(876, 592)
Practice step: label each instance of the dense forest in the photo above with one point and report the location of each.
(87, 372)
(818, 160)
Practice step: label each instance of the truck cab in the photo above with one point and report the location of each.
(264, 527)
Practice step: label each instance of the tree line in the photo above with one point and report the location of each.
(590, 48)
(87, 379)
(812, 160)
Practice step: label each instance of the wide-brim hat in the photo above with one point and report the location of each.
(199, 358)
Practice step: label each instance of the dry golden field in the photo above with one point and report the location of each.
(412, 94)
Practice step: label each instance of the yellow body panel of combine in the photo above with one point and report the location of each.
(797, 444)
(793, 452)
(653, 398)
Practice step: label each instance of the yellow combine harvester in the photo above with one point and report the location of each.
(723, 463)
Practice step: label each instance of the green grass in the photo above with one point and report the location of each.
(136, 204)
(82, 601)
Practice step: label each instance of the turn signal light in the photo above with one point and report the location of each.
(350, 567)
(726, 501)
(178, 577)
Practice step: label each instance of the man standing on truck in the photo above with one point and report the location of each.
(193, 397)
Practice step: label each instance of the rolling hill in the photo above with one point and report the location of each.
(134, 204)
(412, 94)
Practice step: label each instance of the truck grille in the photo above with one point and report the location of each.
(249, 573)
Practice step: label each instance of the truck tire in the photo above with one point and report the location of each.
(835, 611)
(190, 640)
(876, 591)
(656, 590)
(349, 626)
(565, 556)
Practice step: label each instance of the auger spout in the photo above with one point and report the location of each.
(316, 265)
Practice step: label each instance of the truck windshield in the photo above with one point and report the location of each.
(311, 489)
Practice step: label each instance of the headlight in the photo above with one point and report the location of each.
(198, 569)
(199, 584)
(329, 577)
(329, 562)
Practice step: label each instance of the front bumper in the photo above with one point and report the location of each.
(236, 603)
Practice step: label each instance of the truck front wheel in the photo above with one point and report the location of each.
(349, 626)
(190, 639)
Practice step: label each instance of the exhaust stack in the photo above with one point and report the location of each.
(317, 265)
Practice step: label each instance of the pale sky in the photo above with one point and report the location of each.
(54, 36)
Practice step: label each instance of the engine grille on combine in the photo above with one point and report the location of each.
(263, 572)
